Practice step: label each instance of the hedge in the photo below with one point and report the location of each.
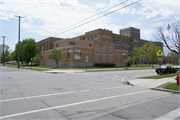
(104, 64)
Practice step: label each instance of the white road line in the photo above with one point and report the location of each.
(38, 96)
(72, 104)
(170, 116)
(114, 77)
(85, 90)
(117, 87)
(47, 95)
(122, 79)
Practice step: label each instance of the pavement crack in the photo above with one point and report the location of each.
(55, 110)
(21, 94)
(119, 116)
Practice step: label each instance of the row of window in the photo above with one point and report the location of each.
(93, 38)
(124, 43)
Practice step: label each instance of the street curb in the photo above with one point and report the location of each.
(166, 90)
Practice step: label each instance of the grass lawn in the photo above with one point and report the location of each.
(159, 76)
(172, 86)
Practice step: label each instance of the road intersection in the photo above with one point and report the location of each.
(27, 95)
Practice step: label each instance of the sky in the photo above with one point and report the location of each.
(50, 18)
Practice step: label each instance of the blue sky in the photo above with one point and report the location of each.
(44, 17)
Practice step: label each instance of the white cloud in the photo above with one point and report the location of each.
(159, 7)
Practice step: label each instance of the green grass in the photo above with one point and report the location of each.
(172, 86)
(37, 69)
(159, 76)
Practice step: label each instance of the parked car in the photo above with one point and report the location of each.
(163, 69)
(177, 67)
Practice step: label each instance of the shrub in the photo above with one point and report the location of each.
(105, 64)
(128, 64)
(96, 64)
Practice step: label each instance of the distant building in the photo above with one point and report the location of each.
(101, 46)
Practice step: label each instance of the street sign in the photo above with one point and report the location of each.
(86, 58)
(159, 58)
(159, 53)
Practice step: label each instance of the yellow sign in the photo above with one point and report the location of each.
(159, 53)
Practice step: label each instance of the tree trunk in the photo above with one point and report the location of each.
(27, 63)
(57, 64)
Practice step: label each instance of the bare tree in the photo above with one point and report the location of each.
(171, 39)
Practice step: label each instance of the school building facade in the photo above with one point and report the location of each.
(100, 45)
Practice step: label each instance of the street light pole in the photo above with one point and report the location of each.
(3, 49)
(19, 41)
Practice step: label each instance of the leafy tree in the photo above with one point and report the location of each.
(172, 54)
(57, 55)
(13, 56)
(37, 57)
(170, 38)
(145, 50)
(16, 52)
(7, 55)
(28, 49)
(152, 56)
(135, 54)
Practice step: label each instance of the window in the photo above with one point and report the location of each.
(45, 48)
(110, 50)
(77, 54)
(122, 43)
(97, 49)
(117, 48)
(128, 43)
(106, 36)
(90, 45)
(88, 38)
(125, 43)
(104, 50)
(72, 43)
(41, 56)
(91, 38)
(117, 42)
(49, 56)
(114, 41)
(69, 54)
(57, 45)
(95, 38)
(124, 56)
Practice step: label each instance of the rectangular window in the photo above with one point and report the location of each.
(117, 42)
(125, 43)
(77, 54)
(88, 38)
(95, 38)
(72, 43)
(49, 56)
(45, 48)
(57, 45)
(114, 41)
(41, 56)
(117, 48)
(128, 43)
(90, 45)
(69, 54)
(91, 38)
(122, 43)
(124, 56)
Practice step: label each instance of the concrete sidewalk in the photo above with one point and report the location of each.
(156, 84)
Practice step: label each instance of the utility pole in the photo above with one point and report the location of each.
(3, 48)
(19, 41)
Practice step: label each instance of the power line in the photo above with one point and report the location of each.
(88, 18)
(99, 17)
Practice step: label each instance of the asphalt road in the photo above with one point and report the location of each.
(33, 95)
